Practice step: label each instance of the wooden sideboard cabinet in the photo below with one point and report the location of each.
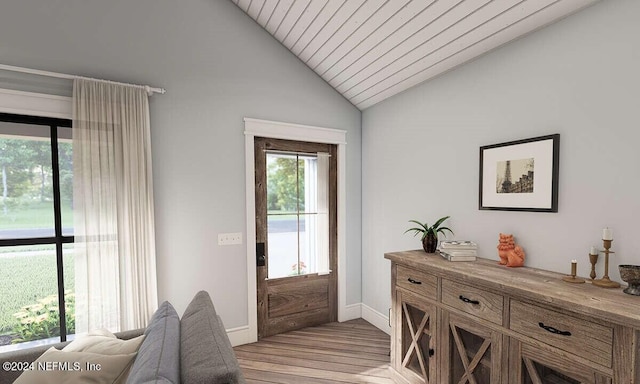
(483, 323)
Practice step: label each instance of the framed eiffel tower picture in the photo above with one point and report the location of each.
(520, 175)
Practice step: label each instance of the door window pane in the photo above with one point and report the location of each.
(292, 214)
(26, 187)
(282, 237)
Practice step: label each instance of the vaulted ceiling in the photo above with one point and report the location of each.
(369, 50)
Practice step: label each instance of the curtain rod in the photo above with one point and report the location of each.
(150, 90)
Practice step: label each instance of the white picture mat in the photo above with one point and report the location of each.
(541, 198)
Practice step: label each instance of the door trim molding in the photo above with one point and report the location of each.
(298, 132)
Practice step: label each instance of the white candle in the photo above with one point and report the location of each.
(593, 251)
(607, 234)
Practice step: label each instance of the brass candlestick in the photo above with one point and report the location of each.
(572, 278)
(593, 259)
(605, 282)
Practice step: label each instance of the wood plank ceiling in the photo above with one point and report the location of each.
(369, 50)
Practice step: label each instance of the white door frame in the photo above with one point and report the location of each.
(297, 132)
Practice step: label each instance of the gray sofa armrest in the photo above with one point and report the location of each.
(23, 356)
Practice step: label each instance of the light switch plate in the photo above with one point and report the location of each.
(230, 238)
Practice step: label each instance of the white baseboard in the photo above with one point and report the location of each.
(239, 335)
(242, 335)
(376, 318)
(351, 312)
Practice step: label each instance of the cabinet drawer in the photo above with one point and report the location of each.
(477, 302)
(577, 336)
(416, 281)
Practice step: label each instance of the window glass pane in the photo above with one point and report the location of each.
(282, 182)
(26, 188)
(28, 294)
(282, 237)
(65, 165)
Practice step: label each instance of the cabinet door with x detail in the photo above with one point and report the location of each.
(472, 352)
(414, 356)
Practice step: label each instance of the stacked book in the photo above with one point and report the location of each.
(457, 250)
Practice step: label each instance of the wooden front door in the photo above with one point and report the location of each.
(296, 234)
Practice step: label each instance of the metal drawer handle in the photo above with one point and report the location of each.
(469, 300)
(554, 330)
(414, 281)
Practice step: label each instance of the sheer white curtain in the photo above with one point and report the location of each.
(316, 199)
(115, 266)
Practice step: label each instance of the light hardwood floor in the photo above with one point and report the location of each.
(350, 352)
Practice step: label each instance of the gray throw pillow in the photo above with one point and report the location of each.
(158, 359)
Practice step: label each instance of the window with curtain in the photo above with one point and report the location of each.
(77, 242)
(113, 207)
(37, 286)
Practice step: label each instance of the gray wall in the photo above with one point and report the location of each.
(579, 78)
(218, 67)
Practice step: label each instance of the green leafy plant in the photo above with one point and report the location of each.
(429, 233)
(425, 229)
(42, 319)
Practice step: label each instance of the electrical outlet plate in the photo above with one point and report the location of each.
(229, 238)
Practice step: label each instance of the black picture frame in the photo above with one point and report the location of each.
(536, 163)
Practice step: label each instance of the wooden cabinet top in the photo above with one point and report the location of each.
(530, 284)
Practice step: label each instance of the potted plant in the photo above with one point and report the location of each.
(429, 233)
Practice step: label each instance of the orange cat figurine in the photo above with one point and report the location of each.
(511, 255)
